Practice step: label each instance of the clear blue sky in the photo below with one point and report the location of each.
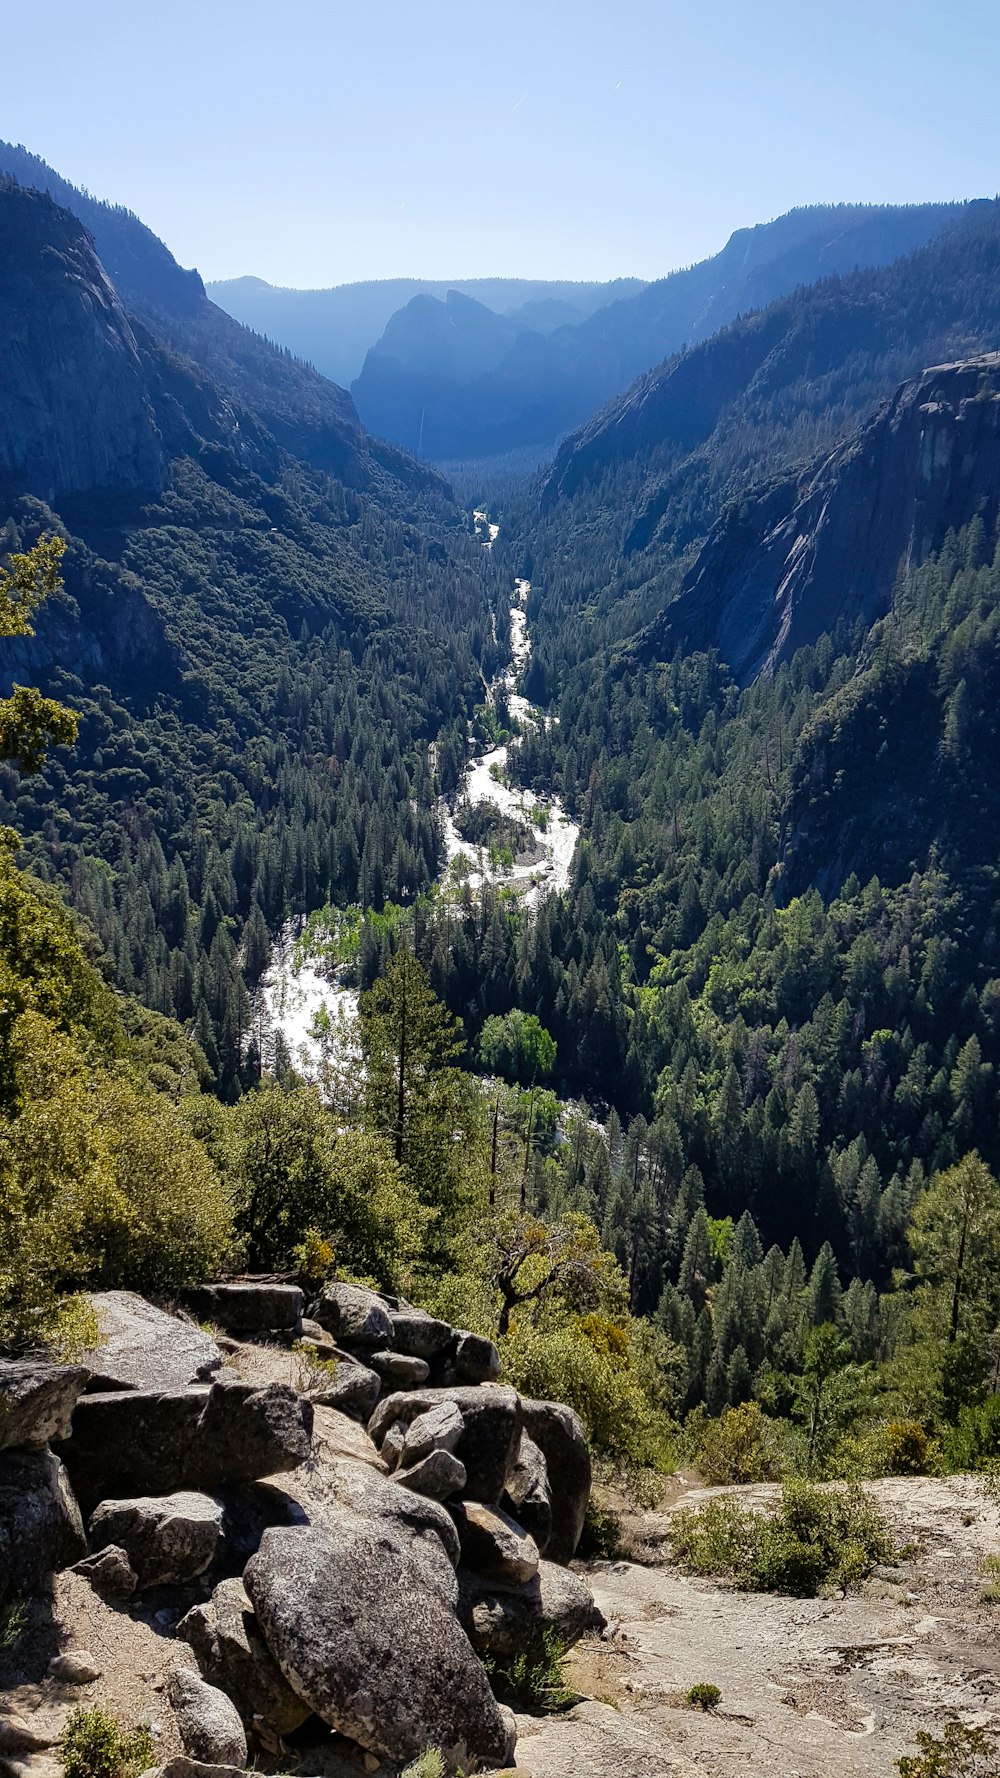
(314, 142)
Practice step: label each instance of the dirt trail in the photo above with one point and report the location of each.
(811, 1688)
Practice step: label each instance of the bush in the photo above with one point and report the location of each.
(817, 1538)
(429, 1764)
(974, 1442)
(95, 1744)
(564, 1364)
(897, 1447)
(704, 1697)
(740, 1446)
(960, 1752)
(601, 1536)
(535, 1679)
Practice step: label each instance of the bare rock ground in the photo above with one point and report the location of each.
(811, 1688)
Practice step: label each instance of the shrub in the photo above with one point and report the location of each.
(974, 1442)
(96, 1744)
(534, 1679)
(429, 1764)
(897, 1447)
(704, 1697)
(12, 1618)
(618, 1395)
(739, 1447)
(960, 1752)
(602, 1534)
(817, 1537)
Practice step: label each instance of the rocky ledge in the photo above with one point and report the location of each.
(312, 1526)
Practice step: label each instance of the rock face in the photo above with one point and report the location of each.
(232, 1655)
(558, 1433)
(40, 1524)
(172, 1539)
(208, 1721)
(439, 1475)
(37, 1402)
(75, 416)
(375, 1655)
(492, 1427)
(131, 1442)
(142, 1348)
(809, 550)
(505, 1621)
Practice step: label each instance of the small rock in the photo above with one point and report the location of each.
(354, 1315)
(110, 1573)
(167, 1540)
(392, 1444)
(352, 1388)
(182, 1766)
(438, 1476)
(438, 1430)
(494, 1545)
(208, 1722)
(418, 1335)
(398, 1371)
(76, 1666)
(475, 1359)
(18, 1735)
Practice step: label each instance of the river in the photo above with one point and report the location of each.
(294, 990)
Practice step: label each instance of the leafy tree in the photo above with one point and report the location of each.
(29, 723)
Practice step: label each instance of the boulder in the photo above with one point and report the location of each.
(110, 1573)
(506, 1621)
(493, 1545)
(492, 1417)
(137, 1442)
(37, 1402)
(40, 1525)
(379, 1657)
(250, 1306)
(558, 1433)
(475, 1359)
(142, 1348)
(353, 1315)
(337, 1435)
(350, 1387)
(208, 1722)
(335, 1492)
(438, 1475)
(528, 1492)
(168, 1539)
(233, 1655)
(314, 1335)
(399, 1372)
(392, 1444)
(418, 1335)
(439, 1429)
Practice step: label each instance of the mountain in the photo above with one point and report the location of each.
(547, 384)
(811, 552)
(260, 651)
(334, 328)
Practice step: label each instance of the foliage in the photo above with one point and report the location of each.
(429, 1764)
(13, 1614)
(517, 1046)
(738, 1447)
(600, 1539)
(960, 1752)
(533, 1679)
(704, 1696)
(29, 723)
(817, 1538)
(609, 1392)
(96, 1744)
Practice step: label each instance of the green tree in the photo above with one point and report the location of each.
(954, 1236)
(29, 723)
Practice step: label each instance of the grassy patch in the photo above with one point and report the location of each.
(536, 1680)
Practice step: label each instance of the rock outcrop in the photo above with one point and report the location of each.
(801, 554)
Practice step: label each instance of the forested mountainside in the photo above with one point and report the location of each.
(481, 403)
(259, 653)
(333, 329)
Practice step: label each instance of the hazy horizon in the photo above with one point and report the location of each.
(335, 148)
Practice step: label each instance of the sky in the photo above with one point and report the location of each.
(314, 142)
